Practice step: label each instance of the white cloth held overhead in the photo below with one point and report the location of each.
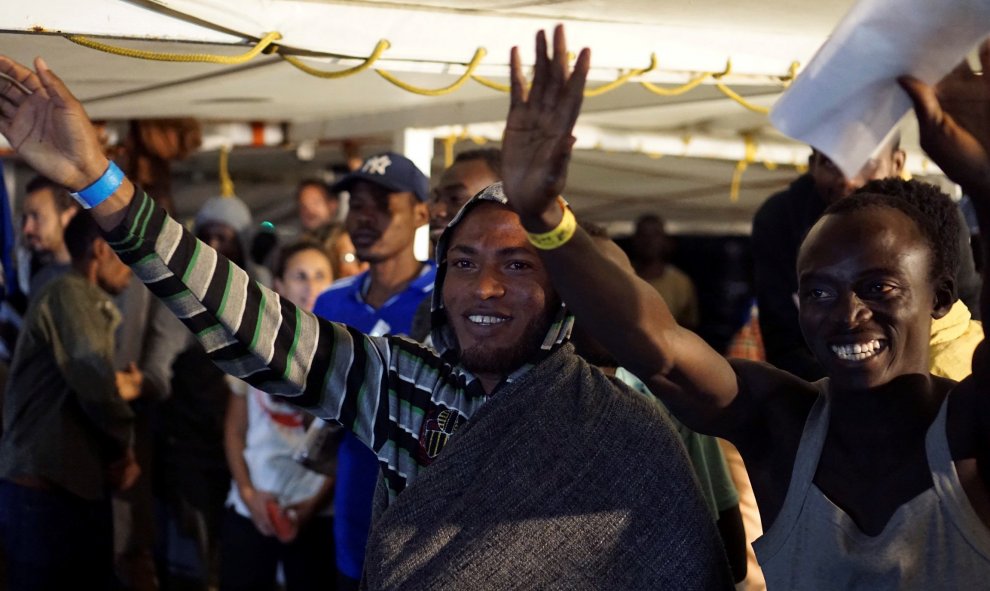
(847, 101)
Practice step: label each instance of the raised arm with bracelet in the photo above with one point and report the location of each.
(249, 331)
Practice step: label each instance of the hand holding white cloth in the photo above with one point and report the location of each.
(847, 100)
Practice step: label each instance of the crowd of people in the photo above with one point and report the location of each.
(530, 409)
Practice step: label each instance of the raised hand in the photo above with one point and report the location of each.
(47, 126)
(954, 119)
(537, 143)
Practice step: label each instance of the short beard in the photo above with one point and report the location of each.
(481, 360)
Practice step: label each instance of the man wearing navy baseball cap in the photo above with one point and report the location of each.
(388, 202)
(392, 171)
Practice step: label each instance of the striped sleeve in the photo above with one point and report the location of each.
(247, 330)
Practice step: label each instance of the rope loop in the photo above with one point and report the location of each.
(792, 73)
(491, 84)
(678, 90)
(725, 72)
(158, 56)
(453, 139)
(748, 158)
(741, 100)
(226, 183)
(380, 48)
(479, 55)
(690, 84)
(622, 79)
(267, 45)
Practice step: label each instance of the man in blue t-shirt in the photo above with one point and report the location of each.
(388, 196)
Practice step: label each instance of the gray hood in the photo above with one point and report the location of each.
(444, 340)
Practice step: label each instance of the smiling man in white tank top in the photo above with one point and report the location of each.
(874, 478)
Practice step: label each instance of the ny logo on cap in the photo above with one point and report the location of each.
(376, 164)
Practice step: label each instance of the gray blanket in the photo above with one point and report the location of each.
(564, 480)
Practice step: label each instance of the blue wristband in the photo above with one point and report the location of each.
(102, 188)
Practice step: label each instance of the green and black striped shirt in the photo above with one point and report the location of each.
(397, 396)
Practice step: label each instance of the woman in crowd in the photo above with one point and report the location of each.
(336, 242)
(278, 511)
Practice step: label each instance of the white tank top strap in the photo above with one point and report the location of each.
(948, 487)
(802, 476)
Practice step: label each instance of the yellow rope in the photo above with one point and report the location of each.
(689, 86)
(741, 166)
(367, 63)
(739, 99)
(735, 95)
(226, 183)
(491, 84)
(453, 139)
(448, 150)
(725, 72)
(792, 73)
(228, 60)
(269, 38)
(622, 79)
(478, 56)
(590, 92)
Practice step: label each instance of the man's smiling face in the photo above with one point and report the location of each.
(866, 296)
(496, 292)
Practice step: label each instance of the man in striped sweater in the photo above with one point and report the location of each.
(551, 475)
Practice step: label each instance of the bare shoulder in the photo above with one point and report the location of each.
(768, 431)
(772, 401)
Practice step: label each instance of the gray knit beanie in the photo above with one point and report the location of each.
(225, 210)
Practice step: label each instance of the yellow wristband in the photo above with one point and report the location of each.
(558, 236)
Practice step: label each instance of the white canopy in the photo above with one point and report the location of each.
(701, 133)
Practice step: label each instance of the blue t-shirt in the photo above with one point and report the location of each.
(357, 466)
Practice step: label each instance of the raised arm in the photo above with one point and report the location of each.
(248, 331)
(50, 130)
(623, 312)
(954, 121)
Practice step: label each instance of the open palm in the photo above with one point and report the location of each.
(47, 126)
(537, 143)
